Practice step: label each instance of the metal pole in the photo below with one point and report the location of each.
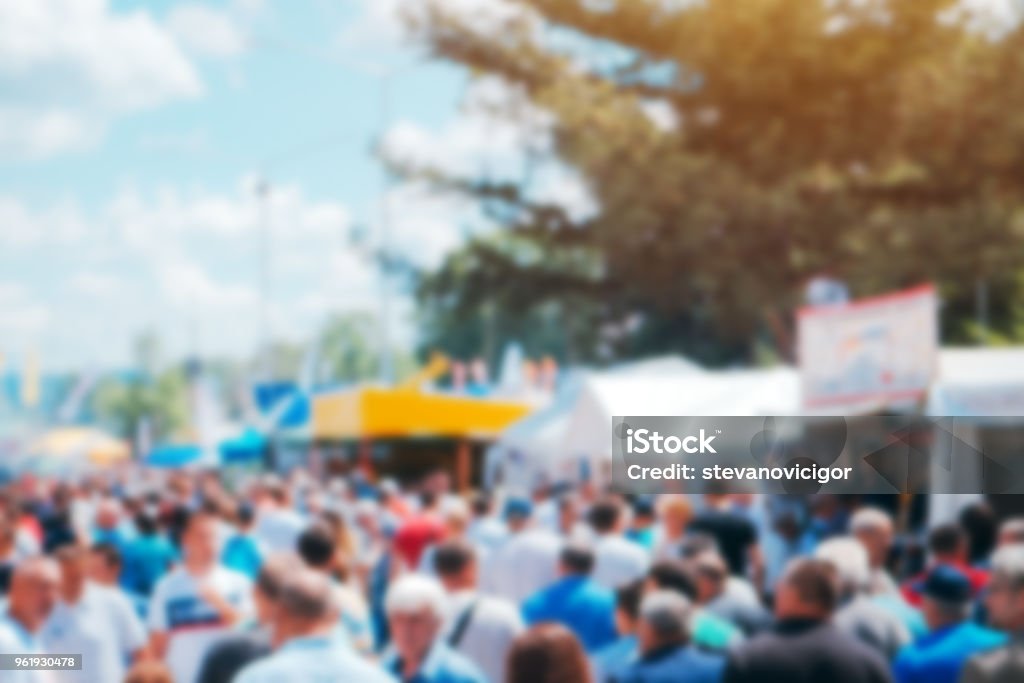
(263, 196)
(981, 309)
(387, 374)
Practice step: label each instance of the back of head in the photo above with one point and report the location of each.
(604, 516)
(673, 575)
(849, 559)
(547, 653)
(808, 589)
(577, 558)
(413, 594)
(316, 546)
(306, 597)
(451, 558)
(1011, 531)
(149, 671)
(664, 619)
(947, 542)
(979, 522)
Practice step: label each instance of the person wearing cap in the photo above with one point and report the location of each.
(1005, 602)
(713, 583)
(527, 561)
(242, 551)
(576, 600)
(642, 529)
(940, 656)
(948, 545)
(666, 655)
(804, 646)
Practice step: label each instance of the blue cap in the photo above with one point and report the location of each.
(946, 583)
(518, 507)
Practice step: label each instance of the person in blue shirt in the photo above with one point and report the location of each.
(416, 608)
(304, 629)
(242, 552)
(940, 656)
(642, 531)
(147, 557)
(610, 660)
(665, 653)
(576, 601)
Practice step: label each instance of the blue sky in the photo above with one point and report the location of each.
(131, 135)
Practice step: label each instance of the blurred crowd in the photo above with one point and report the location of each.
(156, 577)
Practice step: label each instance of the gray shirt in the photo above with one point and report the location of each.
(1002, 665)
(872, 625)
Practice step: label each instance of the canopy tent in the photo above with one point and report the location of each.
(979, 382)
(531, 450)
(75, 446)
(174, 456)
(367, 412)
(249, 446)
(587, 443)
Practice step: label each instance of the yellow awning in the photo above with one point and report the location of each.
(379, 413)
(81, 442)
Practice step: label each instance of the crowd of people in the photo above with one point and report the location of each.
(154, 577)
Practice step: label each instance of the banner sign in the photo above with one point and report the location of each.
(869, 353)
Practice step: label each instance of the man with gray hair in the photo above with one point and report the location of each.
(858, 615)
(663, 634)
(416, 608)
(874, 529)
(306, 641)
(1005, 602)
(35, 589)
(1011, 532)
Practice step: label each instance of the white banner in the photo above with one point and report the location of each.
(869, 353)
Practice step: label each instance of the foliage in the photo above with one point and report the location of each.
(879, 141)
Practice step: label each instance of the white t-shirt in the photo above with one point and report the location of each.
(278, 529)
(488, 636)
(102, 627)
(618, 561)
(527, 562)
(194, 626)
(14, 639)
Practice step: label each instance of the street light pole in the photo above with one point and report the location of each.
(263, 198)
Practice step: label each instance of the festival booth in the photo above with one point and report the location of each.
(406, 432)
(585, 451)
(985, 385)
(72, 449)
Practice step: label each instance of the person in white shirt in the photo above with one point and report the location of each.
(486, 530)
(618, 560)
(195, 605)
(35, 585)
(527, 562)
(94, 621)
(481, 627)
(278, 524)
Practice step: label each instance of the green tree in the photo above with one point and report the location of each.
(881, 141)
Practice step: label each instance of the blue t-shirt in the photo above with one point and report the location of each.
(939, 657)
(146, 560)
(442, 665)
(242, 553)
(582, 605)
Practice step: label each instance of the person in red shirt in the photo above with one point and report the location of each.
(947, 545)
(420, 530)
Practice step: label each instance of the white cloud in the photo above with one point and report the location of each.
(207, 31)
(69, 68)
(185, 262)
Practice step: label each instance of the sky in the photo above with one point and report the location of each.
(134, 135)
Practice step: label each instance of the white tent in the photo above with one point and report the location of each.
(588, 436)
(531, 450)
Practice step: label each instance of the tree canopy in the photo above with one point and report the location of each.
(881, 141)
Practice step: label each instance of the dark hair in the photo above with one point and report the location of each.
(815, 582)
(145, 524)
(697, 543)
(452, 557)
(946, 539)
(628, 596)
(604, 515)
(316, 546)
(673, 575)
(481, 504)
(273, 574)
(982, 527)
(547, 653)
(427, 499)
(244, 513)
(109, 552)
(577, 558)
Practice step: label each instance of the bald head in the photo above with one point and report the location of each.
(34, 590)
